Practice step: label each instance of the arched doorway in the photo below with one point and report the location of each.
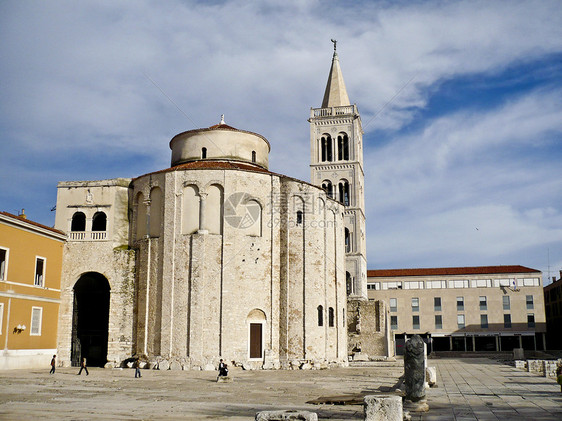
(90, 320)
(256, 321)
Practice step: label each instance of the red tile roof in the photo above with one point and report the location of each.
(37, 224)
(474, 270)
(210, 165)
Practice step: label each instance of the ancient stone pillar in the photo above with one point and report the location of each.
(414, 369)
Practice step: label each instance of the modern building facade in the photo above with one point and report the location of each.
(30, 273)
(553, 310)
(491, 308)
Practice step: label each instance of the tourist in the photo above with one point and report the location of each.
(53, 364)
(83, 367)
(223, 369)
(136, 364)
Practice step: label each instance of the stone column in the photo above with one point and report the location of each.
(202, 213)
(414, 369)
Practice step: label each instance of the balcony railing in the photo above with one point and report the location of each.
(333, 111)
(87, 235)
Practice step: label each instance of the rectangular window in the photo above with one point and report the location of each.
(460, 303)
(484, 321)
(392, 285)
(437, 303)
(415, 304)
(506, 302)
(483, 303)
(413, 285)
(438, 321)
(36, 319)
(394, 322)
(375, 286)
(39, 271)
(507, 321)
(393, 304)
(530, 304)
(416, 322)
(1, 316)
(3, 264)
(530, 320)
(436, 284)
(460, 321)
(458, 284)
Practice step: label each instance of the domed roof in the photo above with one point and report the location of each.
(220, 142)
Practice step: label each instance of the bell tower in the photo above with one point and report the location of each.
(336, 165)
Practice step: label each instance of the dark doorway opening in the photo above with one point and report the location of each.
(255, 340)
(90, 320)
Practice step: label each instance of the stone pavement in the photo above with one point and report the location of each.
(468, 389)
(483, 389)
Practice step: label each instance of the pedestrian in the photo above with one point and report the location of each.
(83, 367)
(559, 376)
(137, 368)
(223, 369)
(53, 364)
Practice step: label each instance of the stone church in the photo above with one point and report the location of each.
(218, 257)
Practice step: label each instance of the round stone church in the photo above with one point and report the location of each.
(214, 257)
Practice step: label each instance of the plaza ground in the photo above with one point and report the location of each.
(469, 389)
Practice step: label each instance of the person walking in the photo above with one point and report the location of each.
(53, 364)
(137, 368)
(223, 369)
(83, 367)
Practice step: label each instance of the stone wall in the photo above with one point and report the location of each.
(367, 327)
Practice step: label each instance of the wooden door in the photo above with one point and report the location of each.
(255, 340)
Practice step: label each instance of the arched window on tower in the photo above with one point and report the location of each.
(78, 222)
(343, 147)
(328, 188)
(99, 221)
(347, 241)
(348, 283)
(320, 310)
(344, 192)
(331, 317)
(203, 153)
(326, 144)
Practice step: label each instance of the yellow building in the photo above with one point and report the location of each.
(487, 308)
(30, 271)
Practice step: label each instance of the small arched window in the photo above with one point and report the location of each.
(348, 283)
(78, 222)
(99, 221)
(347, 241)
(253, 156)
(320, 310)
(331, 317)
(327, 186)
(299, 217)
(344, 192)
(203, 153)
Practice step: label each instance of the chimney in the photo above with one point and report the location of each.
(22, 214)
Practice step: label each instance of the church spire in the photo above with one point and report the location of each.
(335, 94)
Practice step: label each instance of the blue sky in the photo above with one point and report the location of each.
(462, 167)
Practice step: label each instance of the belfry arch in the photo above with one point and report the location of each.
(90, 319)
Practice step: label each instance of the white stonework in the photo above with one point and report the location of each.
(215, 257)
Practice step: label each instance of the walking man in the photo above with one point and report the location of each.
(83, 367)
(53, 364)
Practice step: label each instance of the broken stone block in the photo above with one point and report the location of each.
(382, 408)
(522, 365)
(550, 368)
(535, 366)
(176, 366)
(163, 365)
(286, 415)
(431, 376)
(360, 356)
(209, 367)
(305, 366)
(518, 354)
